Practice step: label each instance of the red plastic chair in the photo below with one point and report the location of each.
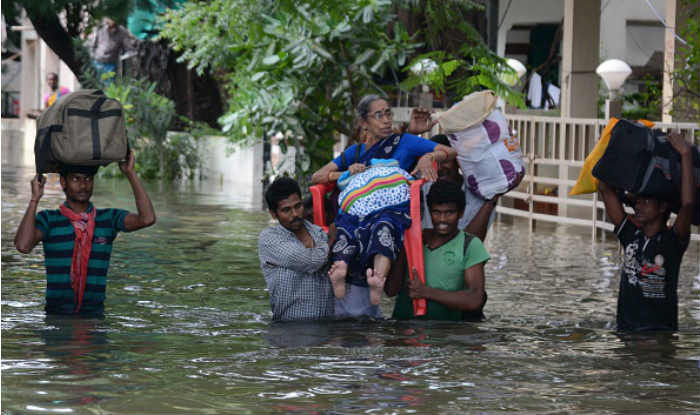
(413, 237)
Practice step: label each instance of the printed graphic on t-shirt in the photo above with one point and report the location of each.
(649, 277)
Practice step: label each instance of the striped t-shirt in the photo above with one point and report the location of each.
(58, 239)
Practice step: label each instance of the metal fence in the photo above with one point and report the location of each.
(554, 149)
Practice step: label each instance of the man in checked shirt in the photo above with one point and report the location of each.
(293, 257)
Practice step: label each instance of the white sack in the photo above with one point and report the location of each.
(489, 156)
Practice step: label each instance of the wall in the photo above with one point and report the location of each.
(237, 170)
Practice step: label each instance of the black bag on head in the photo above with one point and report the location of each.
(640, 160)
(83, 128)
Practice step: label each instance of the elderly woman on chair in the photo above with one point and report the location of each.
(374, 202)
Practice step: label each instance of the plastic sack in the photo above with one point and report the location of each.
(489, 156)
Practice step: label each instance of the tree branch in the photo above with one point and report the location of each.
(49, 28)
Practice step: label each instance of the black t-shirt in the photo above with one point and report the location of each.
(648, 298)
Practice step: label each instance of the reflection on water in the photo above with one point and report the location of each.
(187, 330)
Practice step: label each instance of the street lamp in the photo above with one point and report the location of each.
(614, 72)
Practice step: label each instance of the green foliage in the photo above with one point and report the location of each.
(465, 66)
(645, 104)
(296, 67)
(148, 117)
(78, 16)
(686, 75)
(300, 67)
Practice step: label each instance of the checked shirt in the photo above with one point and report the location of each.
(296, 276)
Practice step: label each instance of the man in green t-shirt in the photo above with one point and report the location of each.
(454, 264)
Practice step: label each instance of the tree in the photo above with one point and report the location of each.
(65, 24)
(296, 67)
(59, 22)
(686, 75)
(451, 34)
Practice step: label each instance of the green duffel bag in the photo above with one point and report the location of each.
(83, 128)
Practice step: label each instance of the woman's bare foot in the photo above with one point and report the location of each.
(337, 274)
(376, 286)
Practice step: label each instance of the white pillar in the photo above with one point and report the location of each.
(580, 51)
(29, 89)
(669, 57)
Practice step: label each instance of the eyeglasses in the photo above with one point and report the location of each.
(383, 114)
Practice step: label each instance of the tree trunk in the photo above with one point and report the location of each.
(196, 97)
(49, 28)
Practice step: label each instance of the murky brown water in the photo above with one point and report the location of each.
(187, 329)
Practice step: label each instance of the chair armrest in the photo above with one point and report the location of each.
(318, 193)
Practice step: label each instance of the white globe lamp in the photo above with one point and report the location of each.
(508, 77)
(424, 67)
(614, 72)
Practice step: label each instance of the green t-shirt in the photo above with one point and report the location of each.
(444, 269)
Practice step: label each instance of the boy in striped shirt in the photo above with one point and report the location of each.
(78, 238)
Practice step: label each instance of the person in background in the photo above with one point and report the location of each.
(108, 43)
(56, 91)
(77, 238)
(454, 264)
(293, 257)
(652, 252)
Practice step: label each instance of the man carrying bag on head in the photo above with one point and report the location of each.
(77, 237)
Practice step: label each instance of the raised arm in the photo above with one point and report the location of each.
(684, 217)
(146, 215)
(28, 235)
(468, 299)
(480, 221)
(613, 206)
(325, 174)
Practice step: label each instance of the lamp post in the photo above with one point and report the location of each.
(614, 72)
(424, 67)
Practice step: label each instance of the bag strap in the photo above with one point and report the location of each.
(94, 114)
(467, 240)
(42, 155)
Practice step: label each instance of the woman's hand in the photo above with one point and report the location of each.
(426, 168)
(420, 121)
(357, 168)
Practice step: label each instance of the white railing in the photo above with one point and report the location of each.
(554, 150)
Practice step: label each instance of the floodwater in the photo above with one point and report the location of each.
(187, 329)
